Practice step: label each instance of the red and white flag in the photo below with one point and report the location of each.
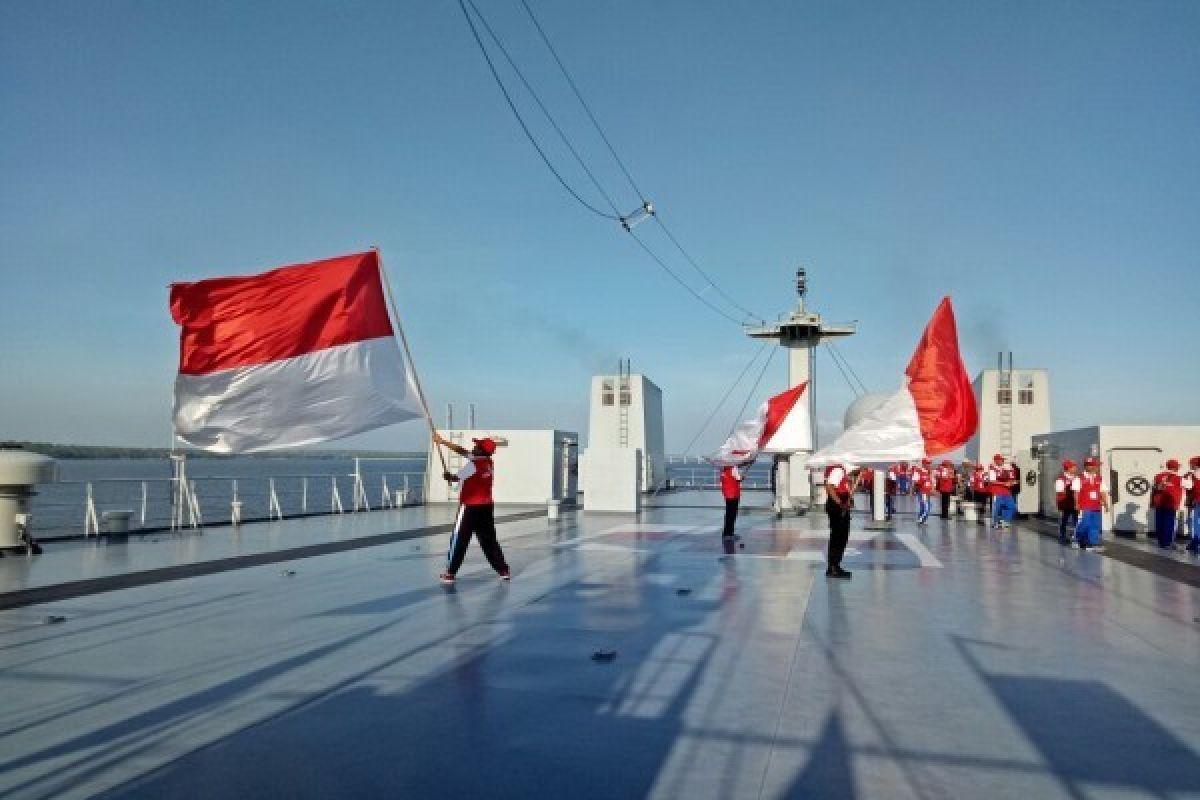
(295, 356)
(782, 425)
(934, 413)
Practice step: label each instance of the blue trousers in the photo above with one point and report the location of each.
(889, 505)
(1194, 516)
(922, 506)
(1087, 532)
(1003, 508)
(1164, 526)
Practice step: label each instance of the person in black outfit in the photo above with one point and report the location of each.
(840, 485)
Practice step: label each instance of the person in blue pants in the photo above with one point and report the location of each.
(1191, 484)
(1000, 480)
(1091, 496)
(922, 482)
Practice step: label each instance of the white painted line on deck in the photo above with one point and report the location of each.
(922, 553)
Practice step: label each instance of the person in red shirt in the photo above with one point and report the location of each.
(1166, 497)
(731, 490)
(947, 482)
(1065, 488)
(1191, 484)
(1000, 480)
(977, 488)
(922, 481)
(840, 485)
(476, 511)
(1091, 497)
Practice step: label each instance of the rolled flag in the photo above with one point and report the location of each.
(782, 425)
(295, 356)
(934, 413)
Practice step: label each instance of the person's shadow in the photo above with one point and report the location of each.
(1125, 522)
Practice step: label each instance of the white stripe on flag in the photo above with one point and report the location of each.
(297, 401)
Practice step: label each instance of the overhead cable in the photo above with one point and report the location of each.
(521, 120)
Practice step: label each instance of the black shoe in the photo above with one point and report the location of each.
(838, 572)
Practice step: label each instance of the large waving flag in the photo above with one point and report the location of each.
(934, 413)
(782, 425)
(295, 356)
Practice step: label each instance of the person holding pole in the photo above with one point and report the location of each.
(476, 511)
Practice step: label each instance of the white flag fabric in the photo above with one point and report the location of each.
(296, 356)
(782, 425)
(933, 413)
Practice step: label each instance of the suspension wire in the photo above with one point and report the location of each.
(846, 361)
(712, 415)
(699, 296)
(579, 96)
(704, 274)
(836, 363)
(546, 112)
(620, 163)
(616, 214)
(753, 389)
(524, 126)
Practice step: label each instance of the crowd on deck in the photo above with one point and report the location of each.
(1081, 496)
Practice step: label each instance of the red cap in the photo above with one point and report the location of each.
(1194, 461)
(926, 462)
(1069, 464)
(1172, 463)
(488, 445)
(947, 462)
(998, 459)
(1091, 461)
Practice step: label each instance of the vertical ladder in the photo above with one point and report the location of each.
(1006, 413)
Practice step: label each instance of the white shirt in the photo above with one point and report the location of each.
(836, 476)
(467, 471)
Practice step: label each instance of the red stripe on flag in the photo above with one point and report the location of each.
(940, 387)
(778, 407)
(287, 312)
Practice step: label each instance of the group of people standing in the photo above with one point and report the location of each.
(993, 487)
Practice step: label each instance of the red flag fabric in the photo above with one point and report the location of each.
(778, 408)
(294, 356)
(940, 387)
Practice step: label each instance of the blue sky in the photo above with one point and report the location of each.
(1036, 160)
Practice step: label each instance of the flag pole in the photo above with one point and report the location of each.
(387, 287)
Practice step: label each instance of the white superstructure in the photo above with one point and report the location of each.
(1014, 406)
(532, 466)
(1130, 457)
(626, 413)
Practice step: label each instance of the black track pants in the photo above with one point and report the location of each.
(480, 521)
(839, 532)
(731, 509)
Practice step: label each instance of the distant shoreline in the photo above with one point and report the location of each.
(70, 451)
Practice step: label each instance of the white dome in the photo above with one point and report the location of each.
(860, 408)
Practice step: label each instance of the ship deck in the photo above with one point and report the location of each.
(959, 662)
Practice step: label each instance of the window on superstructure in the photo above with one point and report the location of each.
(626, 394)
(1004, 397)
(1025, 395)
(606, 393)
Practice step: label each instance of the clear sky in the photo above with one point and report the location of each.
(1039, 161)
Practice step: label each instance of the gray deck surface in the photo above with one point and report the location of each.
(958, 663)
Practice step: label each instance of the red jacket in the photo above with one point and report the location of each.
(1089, 489)
(731, 483)
(1168, 491)
(477, 482)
